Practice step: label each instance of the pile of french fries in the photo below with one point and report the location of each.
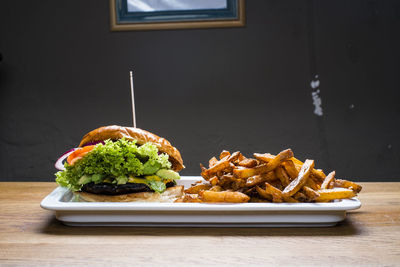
(266, 178)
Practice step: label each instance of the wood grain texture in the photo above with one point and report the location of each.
(31, 236)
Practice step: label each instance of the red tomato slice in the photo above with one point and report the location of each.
(78, 154)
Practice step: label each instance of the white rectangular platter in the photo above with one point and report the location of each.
(61, 200)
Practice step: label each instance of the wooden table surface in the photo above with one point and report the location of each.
(30, 236)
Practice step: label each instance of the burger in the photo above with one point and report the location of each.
(122, 164)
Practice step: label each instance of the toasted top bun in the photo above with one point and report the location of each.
(169, 195)
(115, 132)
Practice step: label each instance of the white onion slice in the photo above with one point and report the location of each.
(59, 163)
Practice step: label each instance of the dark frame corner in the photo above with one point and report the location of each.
(121, 20)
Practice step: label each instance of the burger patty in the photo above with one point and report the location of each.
(113, 189)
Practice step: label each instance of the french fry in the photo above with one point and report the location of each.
(290, 199)
(212, 162)
(248, 163)
(263, 168)
(278, 159)
(214, 181)
(328, 180)
(282, 176)
(226, 180)
(277, 195)
(238, 184)
(265, 178)
(234, 157)
(348, 184)
(224, 196)
(298, 166)
(224, 154)
(297, 161)
(191, 198)
(301, 179)
(220, 173)
(310, 193)
(250, 191)
(272, 193)
(267, 157)
(230, 168)
(316, 172)
(219, 166)
(259, 179)
(263, 194)
(277, 183)
(335, 193)
(299, 196)
(197, 188)
(202, 167)
(243, 173)
(203, 171)
(290, 169)
(319, 174)
(312, 183)
(216, 188)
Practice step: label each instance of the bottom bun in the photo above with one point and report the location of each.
(169, 195)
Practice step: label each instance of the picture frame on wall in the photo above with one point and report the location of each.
(132, 15)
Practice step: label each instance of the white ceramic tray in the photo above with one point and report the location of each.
(72, 213)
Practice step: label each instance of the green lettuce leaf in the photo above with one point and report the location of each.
(157, 186)
(113, 160)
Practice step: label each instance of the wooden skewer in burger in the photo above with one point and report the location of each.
(122, 164)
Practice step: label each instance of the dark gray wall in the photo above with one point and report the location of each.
(64, 73)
